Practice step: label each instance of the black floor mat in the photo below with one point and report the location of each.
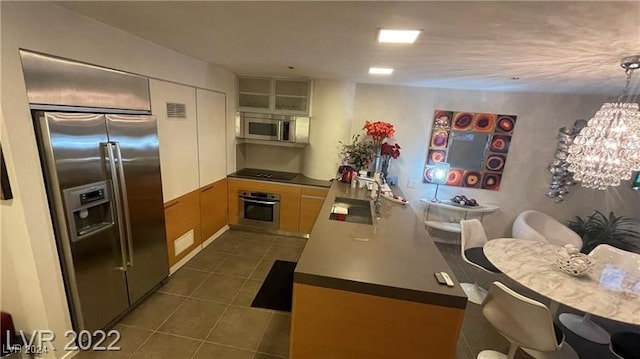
(277, 290)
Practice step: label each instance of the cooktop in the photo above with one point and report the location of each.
(265, 174)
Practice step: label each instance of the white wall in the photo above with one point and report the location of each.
(32, 288)
(333, 111)
(20, 292)
(526, 178)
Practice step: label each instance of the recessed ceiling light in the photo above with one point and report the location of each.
(398, 36)
(380, 70)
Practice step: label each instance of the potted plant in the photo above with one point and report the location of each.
(358, 153)
(619, 232)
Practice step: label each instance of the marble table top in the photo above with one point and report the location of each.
(604, 292)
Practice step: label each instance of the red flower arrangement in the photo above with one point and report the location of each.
(379, 130)
(392, 151)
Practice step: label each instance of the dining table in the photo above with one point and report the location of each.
(606, 291)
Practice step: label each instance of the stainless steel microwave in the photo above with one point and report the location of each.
(267, 127)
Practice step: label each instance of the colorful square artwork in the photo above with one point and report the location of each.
(442, 119)
(455, 177)
(484, 122)
(440, 139)
(491, 181)
(500, 143)
(436, 156)
(493, 133)
(428, 174)
(462, 121)
(472, 179)
(505, 124)
(495, 162)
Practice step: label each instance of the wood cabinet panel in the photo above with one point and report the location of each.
(213, 208)
(355, 325)
(314, 191)
(178, 138)
(309, 210)
(212, 152)
(290, 212)
(182, 215)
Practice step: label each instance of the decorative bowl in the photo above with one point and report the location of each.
(570, 261)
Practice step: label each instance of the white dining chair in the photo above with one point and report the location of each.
(583, 326)
(535, 225)
(525, 323)
(472, 240)
(625, 345)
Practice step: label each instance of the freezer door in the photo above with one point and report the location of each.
(72, 147)
(135, 139)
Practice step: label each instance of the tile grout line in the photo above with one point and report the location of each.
(263, 257)
(209, 332)
(253, 271)
(228, 304)
(189, 295)
(265, 331)
(172, 313)
(155, 331)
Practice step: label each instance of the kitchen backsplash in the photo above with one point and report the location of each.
(275, 158)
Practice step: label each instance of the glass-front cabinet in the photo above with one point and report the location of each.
(280, 96)
(254, 92)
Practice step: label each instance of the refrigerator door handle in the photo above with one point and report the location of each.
(116, 197)
(125, 203)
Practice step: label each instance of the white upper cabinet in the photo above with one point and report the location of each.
(279, 96)
(254, 94)
(175, 109)
(211, 113)
(291, 96)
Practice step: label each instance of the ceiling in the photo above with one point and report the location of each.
(558, 47)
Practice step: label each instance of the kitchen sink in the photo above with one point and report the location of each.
(359, 211)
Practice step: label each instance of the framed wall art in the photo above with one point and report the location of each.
(475, 145)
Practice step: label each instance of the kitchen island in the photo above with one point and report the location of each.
(369, 291)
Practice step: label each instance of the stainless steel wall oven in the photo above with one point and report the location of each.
(259, 209)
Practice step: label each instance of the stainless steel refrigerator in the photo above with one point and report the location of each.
(103, 178)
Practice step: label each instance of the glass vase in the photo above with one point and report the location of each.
(386, 162)
(377, 162)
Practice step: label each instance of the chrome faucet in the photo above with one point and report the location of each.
(377, 201)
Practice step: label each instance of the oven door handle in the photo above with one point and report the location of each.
(244, 199)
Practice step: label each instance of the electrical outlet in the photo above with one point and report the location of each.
(411, 183)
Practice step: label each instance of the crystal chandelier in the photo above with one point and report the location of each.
(607, 151)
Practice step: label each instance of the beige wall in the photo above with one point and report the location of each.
(333, 102)
(275, 158)
(526, 178)
(32, 288)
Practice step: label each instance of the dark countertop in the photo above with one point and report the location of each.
(394, 258)
(299, 179)
(306, 181)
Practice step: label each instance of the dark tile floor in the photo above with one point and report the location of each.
(203, 311)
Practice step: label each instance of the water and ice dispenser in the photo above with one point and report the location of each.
(89, 209)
